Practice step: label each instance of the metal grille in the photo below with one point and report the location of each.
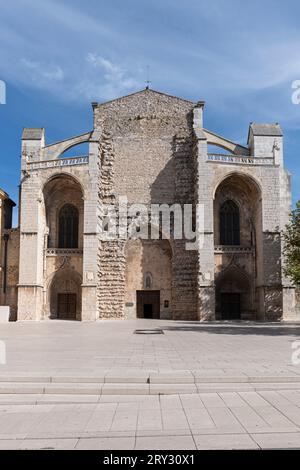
(156, 331)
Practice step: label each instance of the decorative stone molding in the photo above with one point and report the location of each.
(60, 162)
(234, 249)
(63, 251)
(237, 160)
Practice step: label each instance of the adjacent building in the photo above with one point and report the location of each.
(9, 255)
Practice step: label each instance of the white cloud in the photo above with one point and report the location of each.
(41, 72)
(212, 62)
(93, 78)
(112, 80)
(56, 12)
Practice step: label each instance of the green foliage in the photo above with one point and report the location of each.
(291, 251)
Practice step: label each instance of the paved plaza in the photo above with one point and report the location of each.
(71, 385)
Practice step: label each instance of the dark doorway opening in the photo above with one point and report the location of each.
(230, 306)
(148, 303)
(66, 305)
(148, 311)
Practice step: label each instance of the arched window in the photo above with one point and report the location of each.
(229, 224)
(68, 227)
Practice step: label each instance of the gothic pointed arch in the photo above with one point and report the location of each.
(238, 245)
(64, 294)
(64, 212)
(234, 294)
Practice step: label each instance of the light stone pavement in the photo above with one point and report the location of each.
(69, 385)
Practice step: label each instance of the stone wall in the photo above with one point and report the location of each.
(184, 262)
(145, 154)
(10, 296)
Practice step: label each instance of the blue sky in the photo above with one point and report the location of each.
(56, 56)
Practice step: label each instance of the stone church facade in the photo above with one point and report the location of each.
(151, 148)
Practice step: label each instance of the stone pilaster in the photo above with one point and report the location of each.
(204, 199)
(90, 236)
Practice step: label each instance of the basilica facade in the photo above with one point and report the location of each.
(151, 149)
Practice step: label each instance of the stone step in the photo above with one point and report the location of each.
(155, 385)
(144, 377)
(23, 388)
(24, 392)
(46, 399)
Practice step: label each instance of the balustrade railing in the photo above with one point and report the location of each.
(63, 251)
(59, 162)
(233, 249)
(238, 159)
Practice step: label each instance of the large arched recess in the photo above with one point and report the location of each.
(245, 192)
(246, 254)
(60, 190)
(234, 295)
(148, 277)
(64, 295)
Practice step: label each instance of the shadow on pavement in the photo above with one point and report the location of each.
(236, 328)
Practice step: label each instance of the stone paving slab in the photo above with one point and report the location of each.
(169, 388)
(79, 385)
(278, 441)
(24, 378)
(47, 444)
(225, 442)
(21, 388)
(125, 389)
(165, 443)
(172, 377)
(105, 349)
(226, 420)
(112, 443)
(74, 379)
(160, 442)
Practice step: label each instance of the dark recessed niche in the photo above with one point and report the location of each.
(156, 331)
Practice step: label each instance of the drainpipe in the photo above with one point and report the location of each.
(46, 237)
(5, 238)
(19, 205)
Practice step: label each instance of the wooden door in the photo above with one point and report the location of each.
(66, 306)
(148, 304)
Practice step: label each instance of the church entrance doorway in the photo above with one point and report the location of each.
(230, 306)
(148, 303)
(66, 306)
